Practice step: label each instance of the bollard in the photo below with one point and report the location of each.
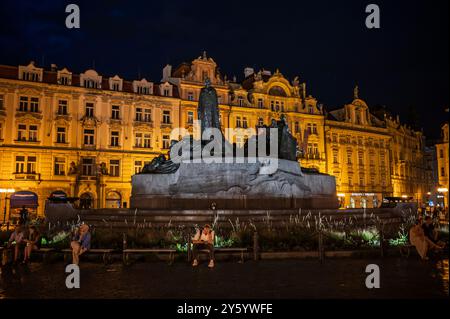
(320, 246)
(255, 246)
(124, 241)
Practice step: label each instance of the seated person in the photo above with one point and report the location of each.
(16, 239)
(420, 241)
(33, 242)
(204, 240)
(428, 229)
(81, 243)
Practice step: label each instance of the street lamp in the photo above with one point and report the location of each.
(6, 191)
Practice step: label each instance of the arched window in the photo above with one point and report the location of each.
(86, 201)
(113, 200)
(277, 91)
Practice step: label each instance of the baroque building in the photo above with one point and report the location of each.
(87, 134)
(442, 152)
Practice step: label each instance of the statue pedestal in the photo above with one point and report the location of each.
(234, 186)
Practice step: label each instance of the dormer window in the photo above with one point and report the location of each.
(190, 96)
(115, 83)
(142, 87)
(240, 101)
(30, 73)
(166, 89)
(90, 84)
(90, 79)
(30, 76)
(64, 77)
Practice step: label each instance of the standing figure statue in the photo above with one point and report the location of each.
(208, 110)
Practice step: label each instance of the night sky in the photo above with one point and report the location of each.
(404, 65)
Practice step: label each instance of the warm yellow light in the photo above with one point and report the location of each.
(7, 190)
(340, 195)
(442, 190)
(404, 196)
(429, 193)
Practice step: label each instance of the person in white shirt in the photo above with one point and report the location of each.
(16, 240)
(203, 240)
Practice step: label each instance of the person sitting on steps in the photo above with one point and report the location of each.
(203, 240)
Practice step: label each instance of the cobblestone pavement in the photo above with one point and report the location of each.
(335, 278)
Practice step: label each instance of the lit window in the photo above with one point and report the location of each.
(166, 141)
(238, 121)
(115, 112)
(60, 166)
(22, 132)
(190, 117)
(114, 138)
(23, 104)
(114, 168)
(138, 114)
(148, 115)
(62, 107)
(260, 103)
(34, 104)
(32, 133)
(88, 137)
(87, 166)
(60, 135)
(138, 140)
(89, 110)
(31, 164)
(20, 164)
(260, 122)
(137, 167)
(240, 101)
(147, 140)
(166, 117)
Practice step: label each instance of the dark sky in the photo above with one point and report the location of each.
(404, 65)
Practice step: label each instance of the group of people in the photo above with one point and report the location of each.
(424, 237)
(26, 239)
(29, 239)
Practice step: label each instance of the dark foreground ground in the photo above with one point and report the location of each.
(335, 278)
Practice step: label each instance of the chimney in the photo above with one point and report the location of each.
(53, 67)
(167, 73)
(248, 71)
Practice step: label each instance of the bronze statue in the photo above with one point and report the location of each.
(208, 110)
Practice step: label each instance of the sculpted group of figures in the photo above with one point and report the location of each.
(208, 115)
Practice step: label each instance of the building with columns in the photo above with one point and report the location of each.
(87, 134)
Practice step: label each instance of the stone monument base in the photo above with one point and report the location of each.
(234, 185)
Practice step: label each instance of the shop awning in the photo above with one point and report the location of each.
(24, 198)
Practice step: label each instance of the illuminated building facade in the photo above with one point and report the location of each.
(442, 153)
(87, 134)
